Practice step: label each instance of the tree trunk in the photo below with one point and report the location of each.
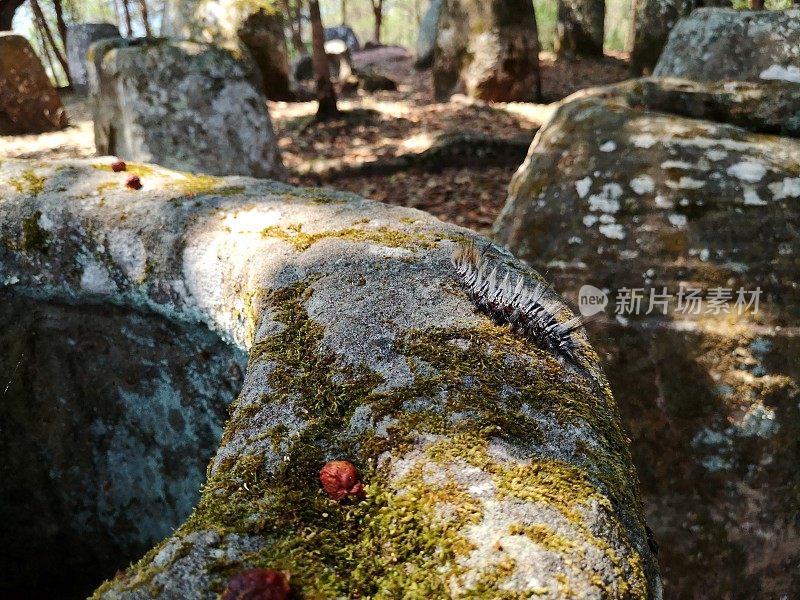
(343, 6)
(295, 20)
(756, 4)
(632, 26)
(145, 19)
(46, 52)
(7, 10)
(126, 10)
(377, 10)
(326, 94)
(37, 11)
(62, 24)
(579, 28)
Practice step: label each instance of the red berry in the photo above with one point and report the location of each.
(134, 182)
(118, 165)
(340, 479)
(258, 584)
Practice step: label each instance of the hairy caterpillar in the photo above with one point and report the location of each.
(522, 305)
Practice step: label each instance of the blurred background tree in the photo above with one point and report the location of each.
(387, 21)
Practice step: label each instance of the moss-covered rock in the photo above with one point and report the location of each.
(80, 36)
(492, 469)
(184, 105)
(619, 196)
(760, 107)
(256, 24)
(714, 44)
(651, 24)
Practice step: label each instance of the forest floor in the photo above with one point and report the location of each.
(381, 146)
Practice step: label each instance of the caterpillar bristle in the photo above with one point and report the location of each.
(522, 305)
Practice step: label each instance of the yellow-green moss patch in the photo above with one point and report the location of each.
(29, 182)
(395, 542)
(387, 236)
(34, 238)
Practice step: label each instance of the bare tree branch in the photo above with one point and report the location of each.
(37, 11)
(377, 11)
(62, 25)
(145, 19)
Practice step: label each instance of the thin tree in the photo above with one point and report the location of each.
(145, 19)
(326, 94)
(126, 11)
(294, 17)
(62, 24)
(343, 6)
(39, 15)
(579, 28)
(377, 10)
(46, 52)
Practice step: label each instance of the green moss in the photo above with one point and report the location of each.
(387, 236)
(276, 435)
(569, 490)
(315, 195)
(29, 182)
(392, 544)
(140, 169)
(107, 185)
(197, 185)
(34, 238)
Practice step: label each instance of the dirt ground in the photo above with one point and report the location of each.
(381, 126)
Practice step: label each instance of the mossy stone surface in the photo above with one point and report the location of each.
(618, 192)
(481, 453)
(192, 106)
(715, 44)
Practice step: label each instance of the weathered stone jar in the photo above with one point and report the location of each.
(185, 105)
(489, 467)
(678, 202)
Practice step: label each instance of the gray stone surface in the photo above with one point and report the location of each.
(487, 50)
(109, 417)
(185, 105)
(619, 194)
(716, 44)
(426, 38)
(28, 101)
(80, 36)
(490, 467)
(257, 26)
(652, 22)
(761, 107)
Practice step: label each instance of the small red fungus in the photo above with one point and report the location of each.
(258, 584)
(340, 478)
